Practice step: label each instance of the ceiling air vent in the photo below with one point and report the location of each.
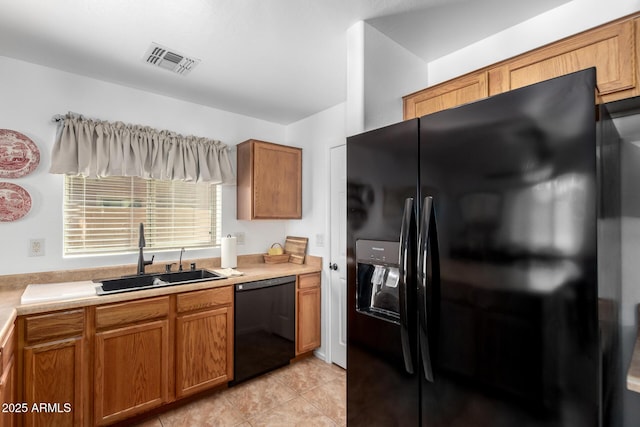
(168, 59)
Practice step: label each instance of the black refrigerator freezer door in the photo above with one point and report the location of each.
(514, 333)
(382, 173)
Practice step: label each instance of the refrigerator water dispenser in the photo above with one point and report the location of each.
(378, 275)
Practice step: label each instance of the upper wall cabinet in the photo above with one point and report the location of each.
(447, 95)
(269, 181)
(611, 48)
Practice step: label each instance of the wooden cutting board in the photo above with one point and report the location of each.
(297, 248)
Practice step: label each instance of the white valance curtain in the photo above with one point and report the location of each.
(97, 149)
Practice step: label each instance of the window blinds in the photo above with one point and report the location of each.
(103, 215)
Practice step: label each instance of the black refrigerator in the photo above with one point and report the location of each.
(483, 264)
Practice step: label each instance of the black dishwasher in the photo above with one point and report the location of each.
(264, 326)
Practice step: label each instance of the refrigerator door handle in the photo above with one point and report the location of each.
(423, 244)
(405, 232)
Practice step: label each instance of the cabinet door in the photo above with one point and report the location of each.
(8, 381)
(269, 181)
(131, 370)
(8, 394)
(53, 374)
(611, 49)
(54, 369)
(451, 94)
(204, 343)
(308, 314)
(277, 177)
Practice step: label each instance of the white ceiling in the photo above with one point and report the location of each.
(278, 60)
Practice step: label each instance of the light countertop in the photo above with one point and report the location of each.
(12, 287)
(9, 300)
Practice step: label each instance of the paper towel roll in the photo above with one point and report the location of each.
(228, 253)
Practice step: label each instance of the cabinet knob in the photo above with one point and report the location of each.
(333, 266)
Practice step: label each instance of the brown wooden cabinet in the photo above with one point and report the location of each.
(307, 312)
(131, 370)
(451, 94)
(269, 183)
(115, 361)
(54, 367)
(8, 379)
(611, 48)
(204, 340)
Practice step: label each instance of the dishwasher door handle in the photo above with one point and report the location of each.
(249, 286)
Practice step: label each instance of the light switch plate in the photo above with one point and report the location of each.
(320, 240)
(36, 247)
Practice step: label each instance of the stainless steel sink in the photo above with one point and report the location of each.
(148, 281)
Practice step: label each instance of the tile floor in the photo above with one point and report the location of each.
(307, 393)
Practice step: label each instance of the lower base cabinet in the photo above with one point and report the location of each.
(8, 380)
(308, 313)
(204, 340)
(7, 395)
(103, 364)
(131, 372)
(54, 375)
(54, 369)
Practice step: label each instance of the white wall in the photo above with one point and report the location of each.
(317, 134)
(558, 23)
(355, 79)
(32, 94)
(390, 71)
(379, 73)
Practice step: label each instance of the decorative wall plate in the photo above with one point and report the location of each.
(19, 156)
(15, 202)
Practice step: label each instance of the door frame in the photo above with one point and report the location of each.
(330, 258)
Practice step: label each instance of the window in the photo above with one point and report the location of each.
(103, 216)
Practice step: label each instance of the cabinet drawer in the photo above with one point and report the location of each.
(54, 325)
(310, 280)
(205, 299)
(131, 312)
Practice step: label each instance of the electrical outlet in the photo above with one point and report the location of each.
(239, 237)
(36, 247)
(320, 240)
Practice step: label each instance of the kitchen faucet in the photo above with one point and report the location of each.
(141, 244)
(180, 262)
